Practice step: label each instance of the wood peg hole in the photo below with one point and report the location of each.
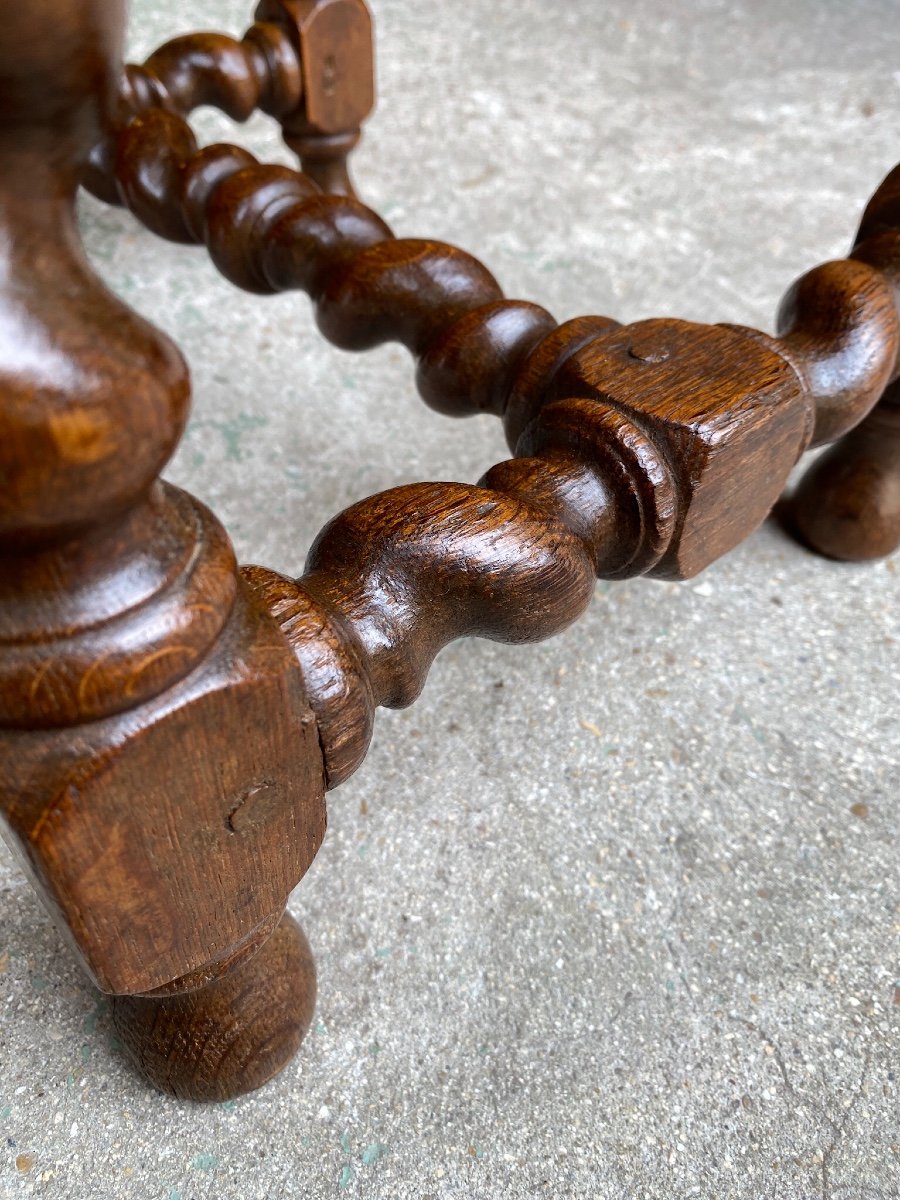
(253, 807)
(648, 354)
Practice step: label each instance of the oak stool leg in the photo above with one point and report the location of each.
(333, 40)
(232, 1035)
(161, 777)
(308, 63)
(848, 504)
(168, 724)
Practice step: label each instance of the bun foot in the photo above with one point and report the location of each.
(232, 1035)
(847, 506)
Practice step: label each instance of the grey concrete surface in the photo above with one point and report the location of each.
(615, 916)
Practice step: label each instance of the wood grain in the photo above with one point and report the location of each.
(161, 778)
(310, 63)
(269, 229)
(231, 1036)
(169, 723)
(848, 504)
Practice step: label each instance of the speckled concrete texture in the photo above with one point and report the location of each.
(615, 916)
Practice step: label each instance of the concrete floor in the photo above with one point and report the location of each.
(617, 915)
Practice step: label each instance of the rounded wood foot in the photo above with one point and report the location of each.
(232, 1035)
(848, 504)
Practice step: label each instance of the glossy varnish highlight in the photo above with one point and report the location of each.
(169, 724)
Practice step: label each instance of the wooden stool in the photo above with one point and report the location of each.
(170, 723)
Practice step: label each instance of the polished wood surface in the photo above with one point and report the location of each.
(169, 724)
(271, 229)
(309, 63)
(162, 780)
(848, 504)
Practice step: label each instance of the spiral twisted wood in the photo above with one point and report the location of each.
(167, 726)
(261, 71)
(268, 229)
(650, 448)
(629, 467)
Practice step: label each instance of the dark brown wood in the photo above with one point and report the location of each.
(668, 444)
(333, 39)
(169, 724)
(848, 504)
(310, 63)
(270, 229)
(162, 780)
(234, 1034)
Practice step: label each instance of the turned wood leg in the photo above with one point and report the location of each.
(161, 774)
(848, 504)
(232, 1035)
(333, 41)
